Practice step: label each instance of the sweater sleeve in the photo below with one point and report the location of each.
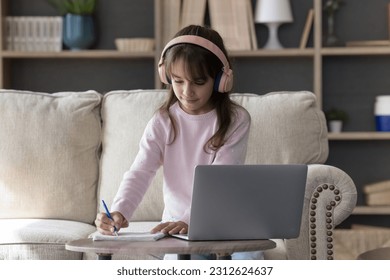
(137, 179)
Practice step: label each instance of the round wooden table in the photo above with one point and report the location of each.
(169, 245)
(376, 254)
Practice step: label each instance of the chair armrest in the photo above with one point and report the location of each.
(330, 198)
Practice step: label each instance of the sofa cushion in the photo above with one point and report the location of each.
(34, 251)
(42, 231)
(48, 154)
(40, 238)
(125, 115)
(287, 127)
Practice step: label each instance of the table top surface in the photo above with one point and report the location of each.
(168, 245)
(376, 254)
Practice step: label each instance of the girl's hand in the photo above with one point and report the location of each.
(106, 226)
(171, 228)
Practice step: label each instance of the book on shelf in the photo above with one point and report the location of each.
(306, 29)
(171, 19)
(193, 12)
(378, 198)
(251, 23)
(377, 187)
(33, 33)
(377, 193)
(128, 236)
(231, 19)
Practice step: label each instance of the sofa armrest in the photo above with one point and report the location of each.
(330, 198)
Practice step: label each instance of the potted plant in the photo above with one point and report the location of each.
(78, 25)
(335, 118)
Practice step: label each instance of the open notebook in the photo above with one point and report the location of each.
(128, 236)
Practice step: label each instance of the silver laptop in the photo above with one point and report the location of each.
(244, 202)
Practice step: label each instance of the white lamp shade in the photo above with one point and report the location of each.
(273, 11)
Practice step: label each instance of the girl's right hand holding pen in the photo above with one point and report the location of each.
(106, 226)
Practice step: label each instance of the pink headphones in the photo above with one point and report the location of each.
(223, 81)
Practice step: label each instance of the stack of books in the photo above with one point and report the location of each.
(180, 13)
(233, 19)
(377, 193)
(25, 33)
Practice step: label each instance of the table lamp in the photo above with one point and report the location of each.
(273, 13)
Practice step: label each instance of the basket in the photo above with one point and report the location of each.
(134, 44)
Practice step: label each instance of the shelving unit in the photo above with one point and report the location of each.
(112, 54)
(347, 136)
(315, 55)
(360, 139)
(359, 136)
(369, 51)
(274, 53)
(7, 56)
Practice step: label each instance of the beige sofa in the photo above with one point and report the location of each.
(61, 153)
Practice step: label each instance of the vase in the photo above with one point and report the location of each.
(78, 31)
(331, 40)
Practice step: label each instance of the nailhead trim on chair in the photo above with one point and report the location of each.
(329, 219)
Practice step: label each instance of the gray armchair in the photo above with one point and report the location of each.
(288, 127)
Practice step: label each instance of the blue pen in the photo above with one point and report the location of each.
(109, 216)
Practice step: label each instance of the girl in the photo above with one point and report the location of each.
(198, 124)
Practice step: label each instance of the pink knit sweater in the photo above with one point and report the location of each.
(178, 159)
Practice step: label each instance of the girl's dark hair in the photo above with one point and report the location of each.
(201, 63)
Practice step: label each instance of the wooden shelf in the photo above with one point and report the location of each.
(309, 52)
(359, 136)
(347, 51)
(371, 210)
(96, 54)
(117, 54)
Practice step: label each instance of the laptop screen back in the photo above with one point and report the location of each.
(239, 202)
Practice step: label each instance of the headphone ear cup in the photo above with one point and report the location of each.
(163, 74)
(224, 81)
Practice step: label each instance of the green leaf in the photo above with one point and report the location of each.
(78, 7)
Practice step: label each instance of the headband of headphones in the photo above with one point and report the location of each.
(223, 81)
